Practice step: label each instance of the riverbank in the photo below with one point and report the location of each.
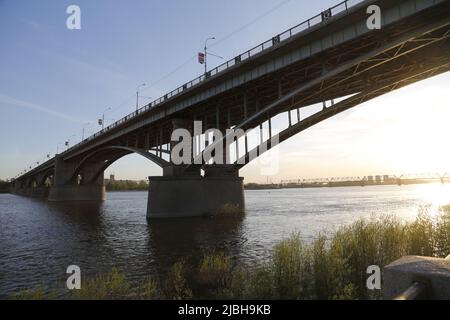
(4, 186)
(333, 266)
(338, 184)
(126, 185)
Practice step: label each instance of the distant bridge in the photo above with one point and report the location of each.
(368, 180)
(332, 56)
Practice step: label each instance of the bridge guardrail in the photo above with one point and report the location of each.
(341, 7)
(305, 25)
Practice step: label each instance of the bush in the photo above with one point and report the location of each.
(148, 290)
(102, 287)
(36, 294)
(4, 186)
(214, 270)
(177, 287)
(291, 269)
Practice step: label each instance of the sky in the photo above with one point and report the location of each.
(54, 82)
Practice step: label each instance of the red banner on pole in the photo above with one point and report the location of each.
(201, 57)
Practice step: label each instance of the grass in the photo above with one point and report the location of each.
(332, 267)
(214, 269)
(110, 286)
(176, 286)
(36, 294)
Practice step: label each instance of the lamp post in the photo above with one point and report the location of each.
(102, 120)
(137, 94)
(206, 53)
(84, 126)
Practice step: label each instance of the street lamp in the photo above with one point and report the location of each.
(82, 132)
(57, 148)
(101, 121)
(206, 53)
(137, 94)
(68, 141)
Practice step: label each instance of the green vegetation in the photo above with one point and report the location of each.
(4, 186)
(126, 185)
(36, 294)
(115, 286)
(176, 286)
(214, 272)
(332, 267)
(260, 186)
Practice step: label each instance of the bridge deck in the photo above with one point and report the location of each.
(243, 86)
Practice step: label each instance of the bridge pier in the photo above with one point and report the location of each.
(21, 191)
(219, 191)
(40, 191)
(30, 188)
(69, 188)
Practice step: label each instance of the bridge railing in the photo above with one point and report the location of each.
(274, 41)
(305, 25)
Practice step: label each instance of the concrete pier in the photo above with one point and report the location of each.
(39, 192)
(33, 192)
(192, 196)
(68, 187)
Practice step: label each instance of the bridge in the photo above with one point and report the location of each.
(366, 180)
(333, 58)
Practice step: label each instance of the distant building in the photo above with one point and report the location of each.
(378, 179)
(112, 178)
(370, 179)
(387, 179)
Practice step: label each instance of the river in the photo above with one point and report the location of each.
(38, 239)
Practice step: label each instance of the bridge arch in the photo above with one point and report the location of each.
(32, 182)
(106, 156)
(50, 172)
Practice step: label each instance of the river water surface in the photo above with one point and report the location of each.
(38, 239)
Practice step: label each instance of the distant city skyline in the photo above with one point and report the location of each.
(55, 81)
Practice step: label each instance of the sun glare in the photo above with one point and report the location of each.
(435, 195)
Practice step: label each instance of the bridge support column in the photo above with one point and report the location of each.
(39, 191)
(19, 188)
(21, 191)
(66, 190)
(219, 191)
(37, 188)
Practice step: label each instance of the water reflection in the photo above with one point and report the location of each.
(436, 195)
(190, 238)
(83, 213)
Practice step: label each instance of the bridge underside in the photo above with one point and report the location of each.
(340, 77)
